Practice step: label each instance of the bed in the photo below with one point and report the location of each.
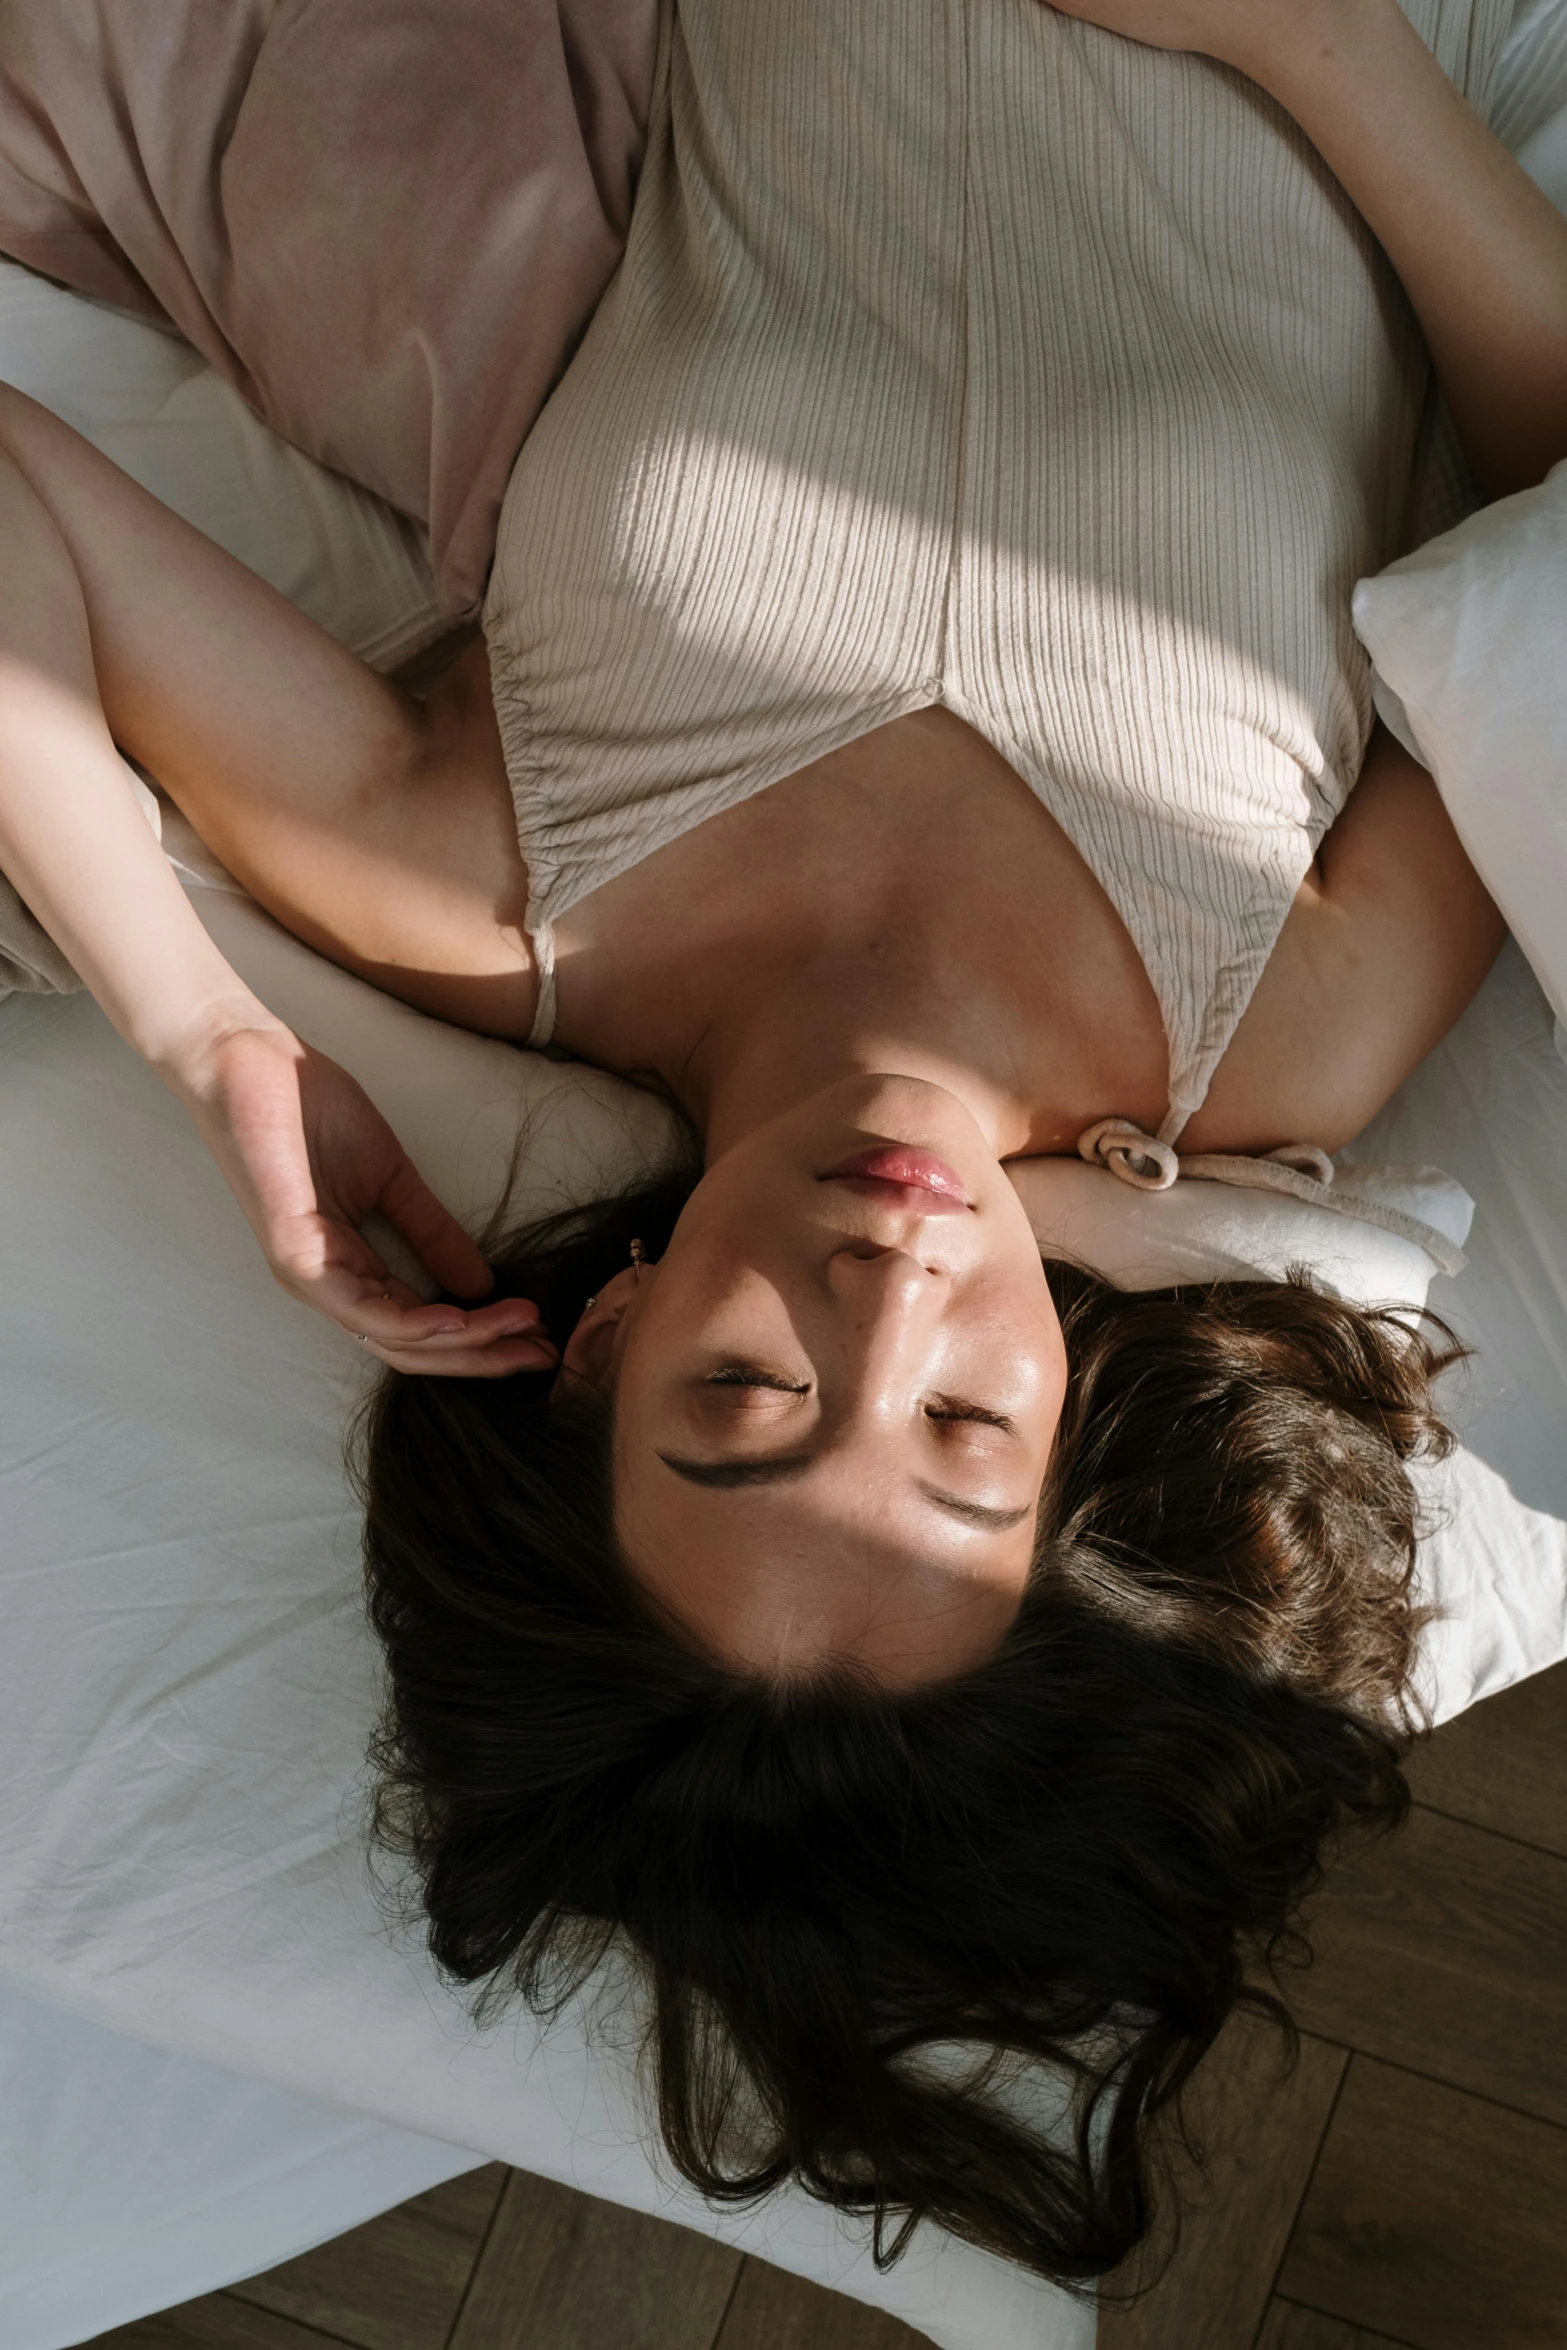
(217, 2042)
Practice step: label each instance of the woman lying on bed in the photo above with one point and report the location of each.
(907, 1642)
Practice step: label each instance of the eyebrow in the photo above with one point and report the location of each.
(782, 1468)
(774, 1468)
(978, 1513)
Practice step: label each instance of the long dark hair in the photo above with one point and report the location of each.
(941, 1953)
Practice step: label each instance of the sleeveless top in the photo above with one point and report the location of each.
(963, 353)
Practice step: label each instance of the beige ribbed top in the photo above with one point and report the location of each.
(964, 353)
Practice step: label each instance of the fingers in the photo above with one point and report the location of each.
(331, 1267)
(434, 1234)
(392, 1322)
(448, 1342)
(435, 1332)
(496, 1359)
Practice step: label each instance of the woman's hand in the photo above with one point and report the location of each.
(306, 1153)
(309, 1157)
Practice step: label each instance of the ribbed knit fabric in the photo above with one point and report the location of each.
(964, 353)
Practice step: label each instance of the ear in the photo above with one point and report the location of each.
(589, 1353)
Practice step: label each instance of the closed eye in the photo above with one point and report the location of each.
(971, 1411)
(745, 1375)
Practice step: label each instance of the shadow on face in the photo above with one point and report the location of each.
(836, 1394)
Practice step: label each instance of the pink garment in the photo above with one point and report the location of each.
(387, 222)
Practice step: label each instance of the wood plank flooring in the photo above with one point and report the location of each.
(1403, 2187)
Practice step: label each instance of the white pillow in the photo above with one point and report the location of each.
(1528, 100)
(143, 396)
(1206, 1231)
(1469, 638)
(1197, 1231)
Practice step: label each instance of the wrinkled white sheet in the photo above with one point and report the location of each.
(131, 2179)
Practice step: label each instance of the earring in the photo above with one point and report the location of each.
(638, 1258)
(592, 1302)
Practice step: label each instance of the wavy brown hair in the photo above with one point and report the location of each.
(1229, 1473)
(940, 1953)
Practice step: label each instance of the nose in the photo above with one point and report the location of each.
(887, 1288)
(877, 1264)
(890, 1300)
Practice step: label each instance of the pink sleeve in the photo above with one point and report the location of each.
(387, 222)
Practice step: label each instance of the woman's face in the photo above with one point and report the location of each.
(836, 1394)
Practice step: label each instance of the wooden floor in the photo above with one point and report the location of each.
(1407, 2184)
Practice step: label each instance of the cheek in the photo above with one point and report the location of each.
(1018, 1316)
(708, 1303)
(1018, 1347)
(1058, 1372)
(1050, 1352)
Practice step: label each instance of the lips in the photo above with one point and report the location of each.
(897, 1166)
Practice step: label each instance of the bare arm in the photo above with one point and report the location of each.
(305, 1152)
(1481, 252)
(377, 837)
(1393, 922)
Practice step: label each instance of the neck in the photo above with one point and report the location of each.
(903, 907)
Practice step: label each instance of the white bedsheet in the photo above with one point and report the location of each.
(131, 2179)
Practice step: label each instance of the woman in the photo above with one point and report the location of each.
(929, 587)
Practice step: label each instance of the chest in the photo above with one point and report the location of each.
(912, 862)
